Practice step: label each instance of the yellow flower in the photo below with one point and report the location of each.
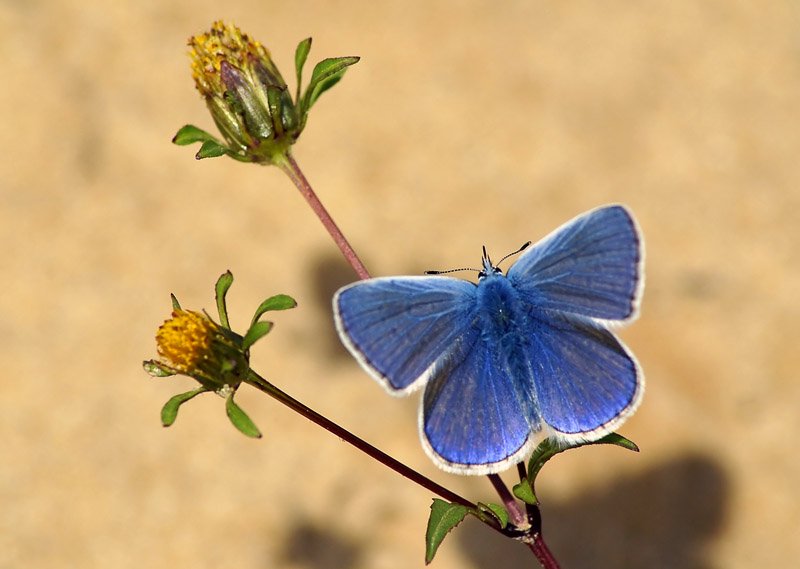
(192, 344)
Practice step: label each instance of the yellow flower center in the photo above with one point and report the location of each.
(224, 42)
(185, 340)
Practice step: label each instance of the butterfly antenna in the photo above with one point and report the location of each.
(451, 271)
(520, 250)
(455, 270)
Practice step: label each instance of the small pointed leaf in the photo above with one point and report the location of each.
(277, 302)
(210, 149)
(189, 134)
(444, 517)
(169, 412)
(257, 331)
(548, 448)
(157, 369)
(496, 511)
(300, 56)
(326, 74)
(524, 492)
(224, 282)
(240, 419)
(175, 304)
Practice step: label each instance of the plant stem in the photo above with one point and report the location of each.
(518, 517)
(288, 164)
(265, 386)
(529, 524)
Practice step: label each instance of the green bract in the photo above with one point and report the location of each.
(248, 98)
(192, 344)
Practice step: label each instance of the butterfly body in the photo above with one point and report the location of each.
(515, 357)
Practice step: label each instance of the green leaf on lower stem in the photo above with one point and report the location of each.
(524, 492)
(497, 512)
(240, 419)
(169, 412)
(548, 448)
(444, 517)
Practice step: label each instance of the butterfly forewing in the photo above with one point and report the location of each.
(590, 266)
(398, 327)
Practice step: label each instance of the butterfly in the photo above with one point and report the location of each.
(516, 357)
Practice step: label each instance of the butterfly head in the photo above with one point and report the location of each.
(488, 267)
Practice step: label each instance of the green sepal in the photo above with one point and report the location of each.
(240, 420)
(211, 149)
(494, 512)
(169, 412)
(189, 134)
(300, 57)
(175, 304)
(257, 331)
(157, 369)
(224, 282)
(277, 302)
(524, 491)
(444, 517)
(275, 108)
(548, 448)
(326, 74)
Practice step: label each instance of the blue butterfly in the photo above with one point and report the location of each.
(513, 358)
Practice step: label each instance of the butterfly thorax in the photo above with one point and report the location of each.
(499, 307)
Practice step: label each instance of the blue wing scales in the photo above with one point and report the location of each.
(587, 382)
(590, 266)
(478, 412)
(398, 327)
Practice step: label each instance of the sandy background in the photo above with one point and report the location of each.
(465, 123)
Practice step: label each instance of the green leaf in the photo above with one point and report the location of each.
(497, 512)
(224, 282)
(240, 419)
(524, 491)
(326, 74)
(175, 304)
(277, 302)
(617, 440)
(189, 134)
(257, 331)
(169, 412)
(211, 149)
(300, 56)
(444, 517)
(157, 369)
(548, 448)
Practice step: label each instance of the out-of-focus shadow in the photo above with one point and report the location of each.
(662, 518)
(320, 548)
(328, 273)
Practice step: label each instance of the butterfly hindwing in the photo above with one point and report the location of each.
(590, 266)
(477, 410)
(587, 382)
(398, 327)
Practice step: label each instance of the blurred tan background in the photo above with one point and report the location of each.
(465, 123)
